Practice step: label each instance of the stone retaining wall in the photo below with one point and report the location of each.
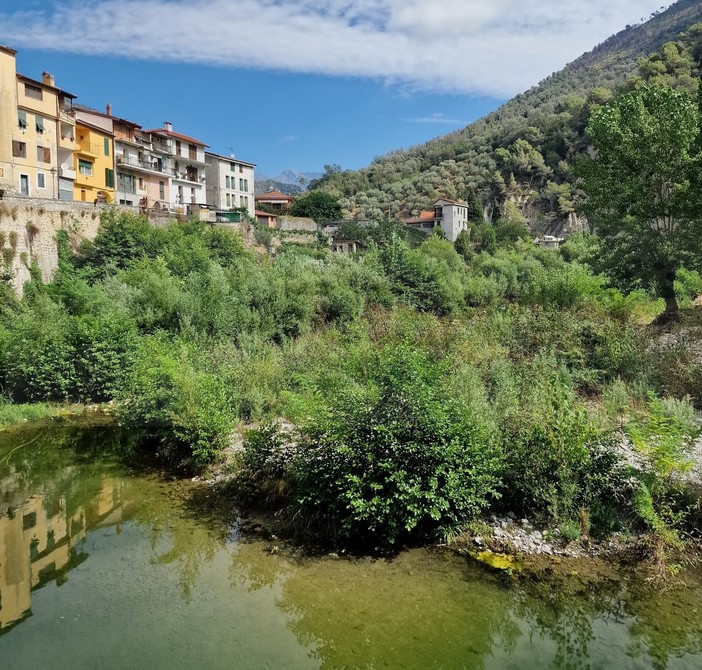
(28, 228)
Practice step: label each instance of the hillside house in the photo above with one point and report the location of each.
(275, 200)
(449, 215)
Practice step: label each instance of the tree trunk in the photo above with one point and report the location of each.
(667, 286)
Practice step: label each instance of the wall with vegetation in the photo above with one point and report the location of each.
(28, 230)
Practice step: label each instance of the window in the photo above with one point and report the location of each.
(227, 182)
(241, 168)
(22, 119)
(106, 146)
(126, 183)
(241, 184)
(161, 191)
(33, 92)
(232, 167)
(41, 182)
(246, 184)
(229, 200)
(141, 183)
(244, 201)
(85, 167)
(178, 147)
(39, 122)
(110, 178)
(44, 154)
(19, 149)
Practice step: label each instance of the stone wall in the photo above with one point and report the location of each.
(296, 223)
(28, 228)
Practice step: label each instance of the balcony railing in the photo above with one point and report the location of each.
(93, 149)
(141, 165)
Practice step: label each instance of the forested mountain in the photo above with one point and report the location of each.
(519, 159)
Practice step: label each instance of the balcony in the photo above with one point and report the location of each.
(145, 166)
(67, 172)
(190, 177)
(67, 142)
(162, 147)
(67, 117)
(90, 149)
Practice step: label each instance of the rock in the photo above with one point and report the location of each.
(512, 516)
(478, 540)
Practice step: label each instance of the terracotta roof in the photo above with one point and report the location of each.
(178, 136)
(424, 216)
(261, 213)
(274, 195)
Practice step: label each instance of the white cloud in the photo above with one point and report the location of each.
(489, 47)
(291, 138)
(437, 117)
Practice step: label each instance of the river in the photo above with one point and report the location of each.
(108, 565)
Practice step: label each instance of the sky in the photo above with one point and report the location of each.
(298, 84)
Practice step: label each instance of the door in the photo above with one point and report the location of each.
(24, 184)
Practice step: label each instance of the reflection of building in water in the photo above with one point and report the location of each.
(40, 540)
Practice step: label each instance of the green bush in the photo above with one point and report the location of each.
(173, 395)
(394, 458)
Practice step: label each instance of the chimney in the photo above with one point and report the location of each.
(47, 78)
(108, 109)
(168, 126)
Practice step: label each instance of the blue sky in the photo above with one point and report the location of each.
(302, 83)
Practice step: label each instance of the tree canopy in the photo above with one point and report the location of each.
(643, 187)
(317, 205)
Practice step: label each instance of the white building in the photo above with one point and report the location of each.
(449, 215)
(230, 183)
(182, 158)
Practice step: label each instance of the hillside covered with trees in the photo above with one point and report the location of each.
(525, 151)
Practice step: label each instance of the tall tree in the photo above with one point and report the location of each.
(643, 188)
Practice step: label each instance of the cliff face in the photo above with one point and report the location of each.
(525, 150)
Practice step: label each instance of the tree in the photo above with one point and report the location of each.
(317, 205)
(643, 188)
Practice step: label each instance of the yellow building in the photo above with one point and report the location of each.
(37, 132)
(94, 157)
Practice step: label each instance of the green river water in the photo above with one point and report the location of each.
(107, 566)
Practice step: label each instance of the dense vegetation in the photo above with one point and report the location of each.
(420, 388)
(524, 152)
(406, 391)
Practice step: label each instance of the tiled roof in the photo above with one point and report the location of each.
(178, 136)
(261, 213)
(274, 195)
(424, 217)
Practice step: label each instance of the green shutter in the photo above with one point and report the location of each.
(107, 147)
(22, 119)
(109, 177)
(40, 123)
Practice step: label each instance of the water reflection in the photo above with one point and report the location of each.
(164, 583)
(42, 535)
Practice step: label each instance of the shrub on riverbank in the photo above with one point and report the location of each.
(425, 384)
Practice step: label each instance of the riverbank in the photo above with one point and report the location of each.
(14, 417)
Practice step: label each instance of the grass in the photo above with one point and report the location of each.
(11, 414)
